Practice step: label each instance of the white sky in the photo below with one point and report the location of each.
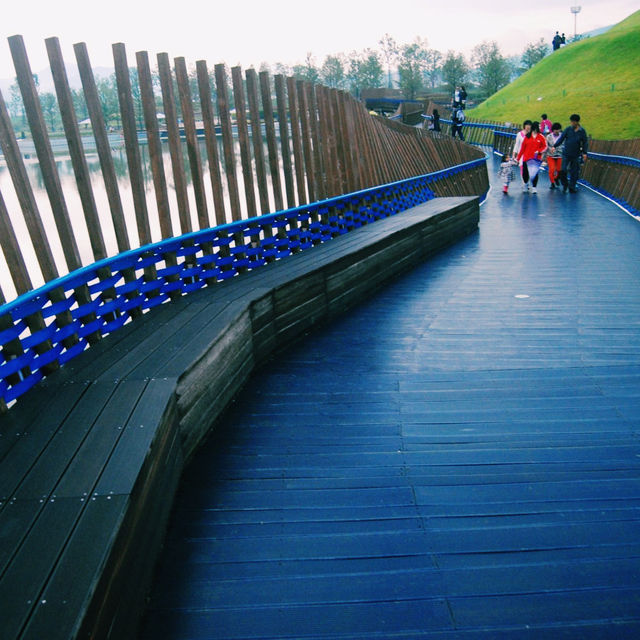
(249, 32)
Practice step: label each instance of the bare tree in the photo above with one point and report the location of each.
(389, 53)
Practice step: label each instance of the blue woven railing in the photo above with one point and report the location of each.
(48, 326)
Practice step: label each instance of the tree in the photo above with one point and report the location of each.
(16, 106)
(432, 69)
(108, 96)
(534, 52)
(412, 63)
(332, 72)
(307, 71)
(365, 71)
(79, 104)
(50, 108)
(491, 67)
(389, 53)
(454, 69)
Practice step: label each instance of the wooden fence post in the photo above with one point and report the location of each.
(193, 150)
(272, 148)
(283, 127)
(256, 137)
(211, 142)
(227, 141)
(243, 140)
(175, 145)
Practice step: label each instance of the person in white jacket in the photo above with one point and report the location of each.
(526, 127)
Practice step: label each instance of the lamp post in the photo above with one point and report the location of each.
(575, 11)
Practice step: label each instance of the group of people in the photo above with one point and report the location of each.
(540, 141)
(458, 105)
(558, 41)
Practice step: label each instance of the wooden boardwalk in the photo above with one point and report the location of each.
(457, 458)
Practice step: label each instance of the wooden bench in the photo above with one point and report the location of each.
(91, 457)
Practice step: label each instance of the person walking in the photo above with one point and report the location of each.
(457, 118)
(530, 156)
(506, 173)
(576, 147)
(554, 155)
(463, 97)
(545, 125)
(434, 125)
(526, 127)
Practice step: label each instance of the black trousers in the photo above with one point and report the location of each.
(457, 128)
(570, 168)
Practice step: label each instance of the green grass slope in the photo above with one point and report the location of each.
(598, 77)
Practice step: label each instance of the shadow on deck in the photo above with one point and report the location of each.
(456, 458)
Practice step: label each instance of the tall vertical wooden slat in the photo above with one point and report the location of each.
(46, 160)
(296, 139)
(306, 135)
(175, 145)
(318, 180)
(329, 156)
(153, 141)
(102, 145)
(357, 146)
(257, 139)
(337, 117)
(243, 139)
(76, 150)
(362, 148)
(227, 141)
(12, 254)
(211, 141)
(272, 146)
(349, 177)
(193, 149)
(131, 143)
(83, 181)
(25, 196)
(283, 127)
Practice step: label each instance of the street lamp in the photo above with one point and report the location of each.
(575, 11)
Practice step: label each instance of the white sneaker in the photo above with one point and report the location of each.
(534, 190)
(525, 188)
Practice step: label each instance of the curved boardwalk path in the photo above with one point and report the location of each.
(450, 460)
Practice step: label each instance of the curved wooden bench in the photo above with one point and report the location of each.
(91, 457)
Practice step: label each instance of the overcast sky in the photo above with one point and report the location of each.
(251, 32)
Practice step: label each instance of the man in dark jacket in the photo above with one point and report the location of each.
(576, 147)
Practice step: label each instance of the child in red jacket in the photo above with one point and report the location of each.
(532, 148)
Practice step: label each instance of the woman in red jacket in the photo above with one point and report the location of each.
(533, 146)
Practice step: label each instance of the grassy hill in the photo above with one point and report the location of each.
(598, 77)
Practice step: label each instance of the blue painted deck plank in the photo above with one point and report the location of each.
(447, 461)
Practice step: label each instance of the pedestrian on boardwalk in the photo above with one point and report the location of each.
(545, 125)
(530, 156)
(457, 118)
(555, 43)
(434, 125)
(455, 101)
(576, 147)
(554, 155)
(506, 172)
(526, 127)
(463, 97)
